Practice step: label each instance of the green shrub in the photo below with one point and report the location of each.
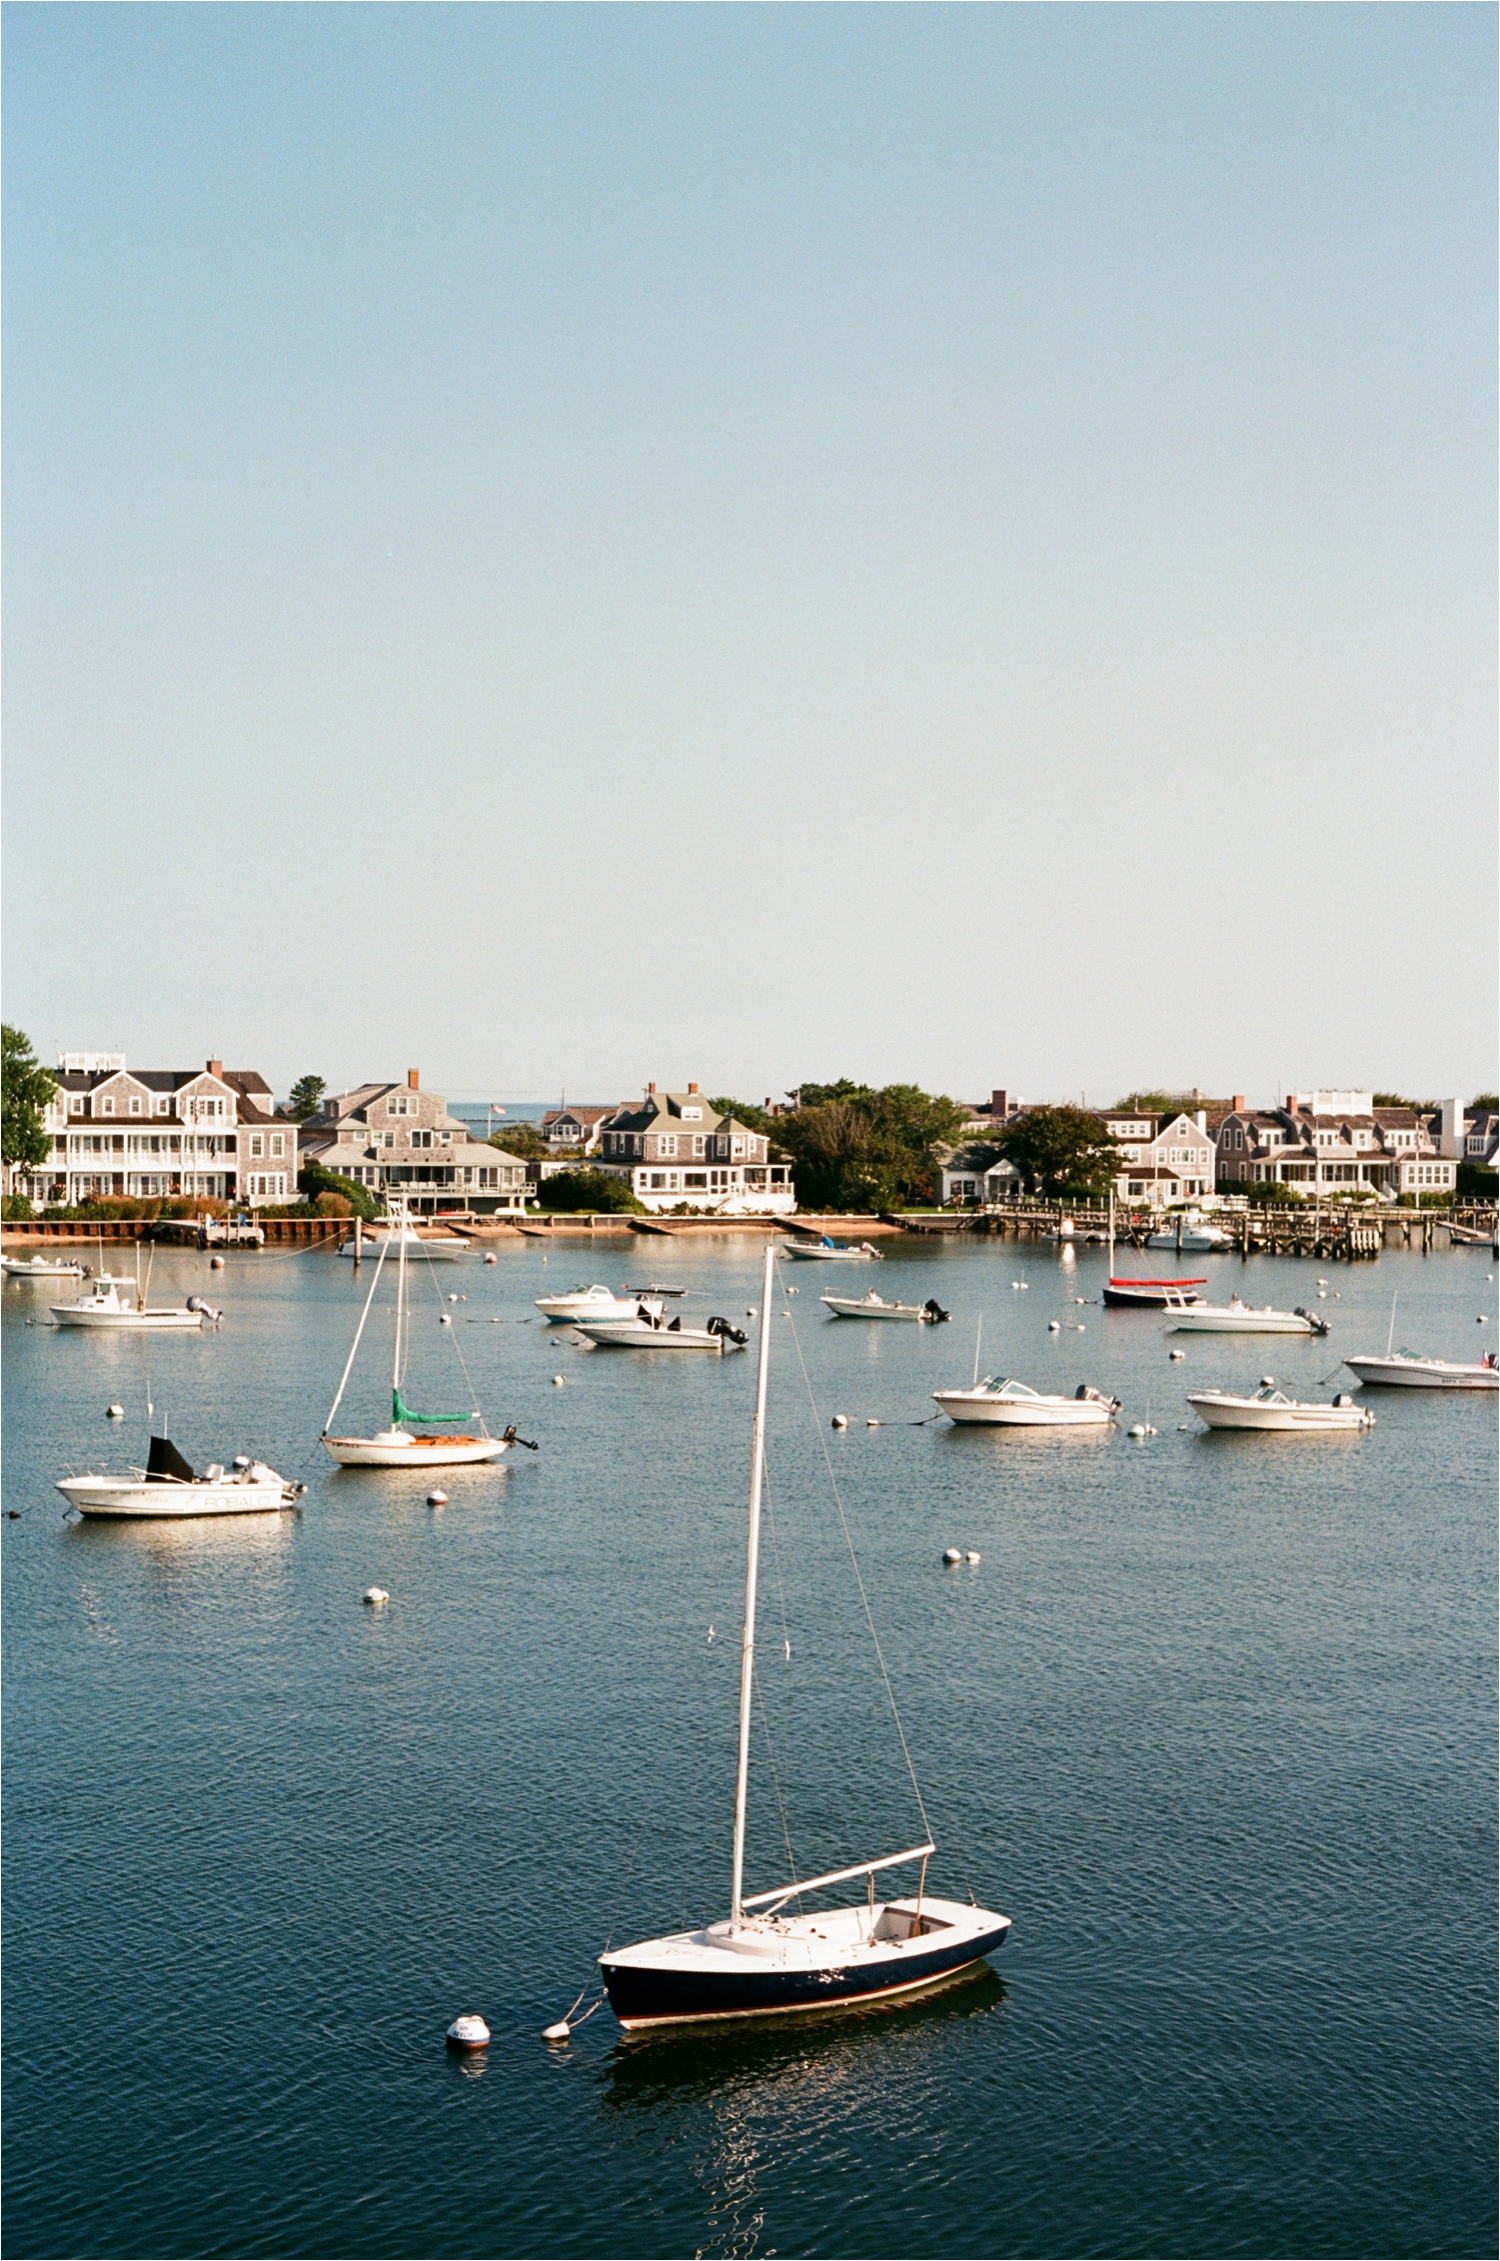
(16, 1207)
(573, 1190)
(1269, 1190)
(314, 1181)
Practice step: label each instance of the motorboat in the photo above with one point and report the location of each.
(441, 1248)
(40, 1267)
(1192, 1234)
(762, 1962)
(400, 1445)
(105, 1307)
(170, 1486)
(594, 1303)
(1152, 1295)
(826, 1251)
(998, 1403)
(650, 1329)
(873, 1306)
(1236, 1318)
(1271, 1408)
(1408, 1370)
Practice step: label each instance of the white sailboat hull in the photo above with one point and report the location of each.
(1221, 1410)
(442, 1251)
(414, 1452)
(1424, 1373)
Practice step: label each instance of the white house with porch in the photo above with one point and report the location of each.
(161, 1133)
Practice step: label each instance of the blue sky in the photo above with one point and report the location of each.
(563, 545)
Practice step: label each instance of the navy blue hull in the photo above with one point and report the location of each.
(659, 1997)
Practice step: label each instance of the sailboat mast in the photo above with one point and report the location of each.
(400, 1300)
(752, 1564)
(1110, 1271)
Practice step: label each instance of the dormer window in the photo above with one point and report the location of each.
(75, 1105)
(692, 1114)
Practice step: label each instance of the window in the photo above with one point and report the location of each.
(278, 1144)
(399, 1104)
(698, 1146)
(692, 1114)
(135, 1106)
(658, 1180)
(257, 1146)
(106, 1106)
(695, 1178)
(667, 1147)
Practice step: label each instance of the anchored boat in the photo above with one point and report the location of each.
(826, 1251)
(169, 1486)
(593, 1303)
(400, 1446)
(1236, 1318)
(762, 1961)
(1407, 1370)
(997, 1403)
(648, 1329)
(873, 1306)
(1271, 1408)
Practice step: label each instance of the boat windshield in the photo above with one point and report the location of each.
(1002, 1388)
(1272, 1397)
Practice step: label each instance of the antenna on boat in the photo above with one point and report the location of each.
(752, 1561)
(978, 1331)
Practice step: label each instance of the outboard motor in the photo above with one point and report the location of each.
(510, 1438)
(1318, 1326)
(204, 1310)
(736, 1335)
(934, 1311)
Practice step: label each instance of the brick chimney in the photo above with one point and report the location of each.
(1238, 1103)
(413, 1079)
(1000, 1103)
(692, 1091)
(651, 1091)
(215, 1067)
(1291, 1102)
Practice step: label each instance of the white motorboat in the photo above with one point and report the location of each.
(595, 1303)
(1236, 1318)
(826, 1251)
(441, 1248)
(169, 1486)
(649, 1329)
(399, 1446)
(762, 1962)
(105, 1307)
(1407, 1370)
(997, 1403)
(1271, 1408)
(1193, 1234)
(873, 1306)
(40, 1267)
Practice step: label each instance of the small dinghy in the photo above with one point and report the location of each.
(997, 1403)
(649, 1329)
(1192, 1233)
(762, 1962)
(1236, 1318)
(40, 1267)
(1271, 1408)
(826, 1251)
(169, 1486)
(873, 1306)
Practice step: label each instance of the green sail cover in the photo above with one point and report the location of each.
(400, 1412)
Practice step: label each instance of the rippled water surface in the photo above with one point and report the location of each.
(1212, 1720)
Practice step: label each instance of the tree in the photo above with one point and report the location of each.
(587, 1189)
(1485, 1103)
(25, 1088)
(1273, 1192)
(856, 1148)
(1061, 1151)
(522, 1140)
(754, 1118)
(1398, 1099)
(305, 1099)
(314, 1181)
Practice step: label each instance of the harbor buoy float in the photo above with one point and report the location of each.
(491, 1258)
(971, 1556)
(559, 2032)
(1054, 1326)
(216, 1263)
(951, 1555)
(839, 1421)
(445, 1319)
(1136, 1429)
(114, 1413)
(437, 1499)
(468, 2033)
(558, 1380)
(872, 1424)
(375, 1596)
(1174, 1355)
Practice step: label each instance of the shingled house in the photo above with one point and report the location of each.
(161, 1132)
(673, 1151)
(398, 1138)
(1330, 1142)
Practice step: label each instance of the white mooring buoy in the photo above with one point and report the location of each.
(216, 1263)
(839, 1421)
(1054, 1326)
(872, 1424)
(1136, 1429)
(1174, 1355)
(491, 1258)
(558, 1380)
(468, 2033)
(437, 1499)
(376, 1596)
(951, 1555)
(453, 1299)
(114, 1413)
(445, 1318)
(562, 2031)
(971, 1556)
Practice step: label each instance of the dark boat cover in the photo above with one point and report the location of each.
(164, 1462)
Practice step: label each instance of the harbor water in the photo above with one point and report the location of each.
(1211, 1719)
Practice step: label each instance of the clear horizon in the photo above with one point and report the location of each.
(568, 546)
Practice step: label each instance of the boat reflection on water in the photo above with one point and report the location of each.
(186, 1542)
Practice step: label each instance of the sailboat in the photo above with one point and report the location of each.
(1144, 1295)
(398, 1446)
(762, 1962)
